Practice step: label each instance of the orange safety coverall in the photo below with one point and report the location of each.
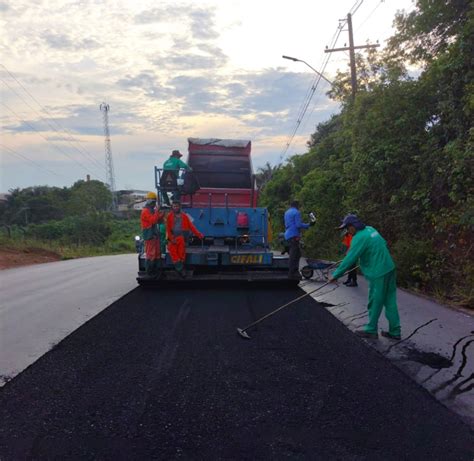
(176, 244)
(352, 275)
(151, 233)
(346, 241)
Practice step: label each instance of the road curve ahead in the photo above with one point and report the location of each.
(163, 375)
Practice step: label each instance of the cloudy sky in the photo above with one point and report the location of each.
(169, 71)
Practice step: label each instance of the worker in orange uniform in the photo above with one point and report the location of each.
(352, 275)
(150, 218)
(178, 227)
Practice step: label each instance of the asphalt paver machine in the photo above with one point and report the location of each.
(220, 196)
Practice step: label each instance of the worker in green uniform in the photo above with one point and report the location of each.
(370, 249)
(162, 230)
(174, 164)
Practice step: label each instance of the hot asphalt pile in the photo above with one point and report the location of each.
(163, 374)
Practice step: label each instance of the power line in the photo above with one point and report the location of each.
(24, 157)
(311, 88)
(310, 93)
(370, 14)
(97, 164)
(50, 143)
(71, 138)
(351, 48)
(308, 100)
(355, 7)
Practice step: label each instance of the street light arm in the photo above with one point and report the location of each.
(310, 66)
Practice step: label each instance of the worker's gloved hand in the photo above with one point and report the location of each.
(332, 279)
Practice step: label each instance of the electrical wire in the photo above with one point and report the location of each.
(13, 152)
(370, 14)
(355, 7)
(309, 95)
(96, 164)
(324, 67)
(49, 142)
(71, 139)
(308, 99)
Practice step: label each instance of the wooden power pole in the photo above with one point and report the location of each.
(351, 49)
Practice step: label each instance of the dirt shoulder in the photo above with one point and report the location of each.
(14, 257)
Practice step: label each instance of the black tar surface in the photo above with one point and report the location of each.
(163, 374)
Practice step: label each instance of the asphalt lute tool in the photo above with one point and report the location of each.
(243, 331)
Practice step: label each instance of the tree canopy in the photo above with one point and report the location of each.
(401, 153)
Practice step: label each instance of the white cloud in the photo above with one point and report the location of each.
(169, 70)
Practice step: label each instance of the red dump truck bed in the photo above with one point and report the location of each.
(223, 169)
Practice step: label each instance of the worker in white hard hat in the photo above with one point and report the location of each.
(150, 218)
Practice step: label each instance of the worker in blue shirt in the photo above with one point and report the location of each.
(293, 227)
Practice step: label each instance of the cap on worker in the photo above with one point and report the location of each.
(151, 196)
(351, 220)
(176, 153)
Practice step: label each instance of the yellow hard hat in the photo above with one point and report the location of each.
(151, 196)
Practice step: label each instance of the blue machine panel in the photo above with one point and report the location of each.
(222, 223)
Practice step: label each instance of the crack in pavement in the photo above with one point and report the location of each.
(355, 315)
(409, 336)
(464, 358)
(360, 317)
(457, 389)
(451, 359)
(458, 374)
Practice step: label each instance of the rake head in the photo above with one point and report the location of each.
(243, 333)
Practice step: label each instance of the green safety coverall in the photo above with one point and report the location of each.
(162, 230)
(174, 163)
(378, 267)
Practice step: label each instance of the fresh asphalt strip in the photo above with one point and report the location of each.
(163, 374)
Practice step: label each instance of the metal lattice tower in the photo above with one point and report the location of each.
(109, 165)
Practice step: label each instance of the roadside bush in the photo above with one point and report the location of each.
(411, 258)
(88, 229)
(121, 246)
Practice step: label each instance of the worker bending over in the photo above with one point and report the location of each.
(178, 227)
(370, 249)
(150, 218)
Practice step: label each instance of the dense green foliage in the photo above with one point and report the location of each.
(400, 154)
(40, 204)
(76, 217)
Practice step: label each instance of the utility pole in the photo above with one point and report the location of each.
(109, 166)
(351, 49)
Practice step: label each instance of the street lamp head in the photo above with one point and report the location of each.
(290, 58)
(310, 66)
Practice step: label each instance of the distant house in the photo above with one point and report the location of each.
(139, 205)
(4, 197)
(131, 199)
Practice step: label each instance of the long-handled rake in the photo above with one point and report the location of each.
(243, 331)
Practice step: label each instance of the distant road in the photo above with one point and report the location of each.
(42, 304)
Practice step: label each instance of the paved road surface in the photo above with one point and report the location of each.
(437, 341)
(164, 375)
(40, 305)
